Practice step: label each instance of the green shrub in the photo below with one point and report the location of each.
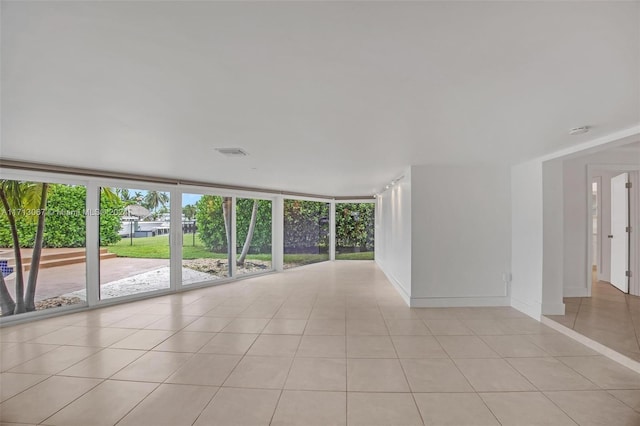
(210, 224)
(65, 224)
(355, 225)
(306, 226)
(261, 241)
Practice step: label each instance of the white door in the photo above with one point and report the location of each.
(619, 236)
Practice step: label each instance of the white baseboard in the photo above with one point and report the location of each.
(575, 292)
(553, 309)
(394, 282)
(534, 310)
(455, 302)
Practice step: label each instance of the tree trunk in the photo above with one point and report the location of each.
(226, 213)
(6, 302)
(252, 227)
(37, 251)
(19, 306)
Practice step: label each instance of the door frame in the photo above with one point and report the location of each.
(593, 171)
(598, 181)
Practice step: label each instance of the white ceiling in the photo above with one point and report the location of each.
(327, 97)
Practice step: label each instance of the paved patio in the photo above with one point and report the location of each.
(61, 280)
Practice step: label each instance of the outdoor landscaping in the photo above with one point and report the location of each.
(43, 227)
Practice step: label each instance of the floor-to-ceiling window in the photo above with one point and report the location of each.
(139, 234)
(253, 235)
(206, 237)
(42, 246)
(355, 229)
(306, 232)
(134, 241)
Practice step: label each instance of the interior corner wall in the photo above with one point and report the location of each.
(393, 235)
(576, 213)
(461, 242)
(527, 237)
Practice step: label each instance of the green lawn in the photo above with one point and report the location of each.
(158, 248)
(363, 255)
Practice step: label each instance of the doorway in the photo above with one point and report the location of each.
(620, 254)
(614, 215)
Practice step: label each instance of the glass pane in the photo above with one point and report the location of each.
(306, 232)
(355, 226)
(134, 241)
(253, 235)
(206, 231)
(42, 246)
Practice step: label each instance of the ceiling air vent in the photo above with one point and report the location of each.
(232, 152)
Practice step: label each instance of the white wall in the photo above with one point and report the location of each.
(393, 235)
(527, 237)
(461, 224)
(576, 212)
(552, 238)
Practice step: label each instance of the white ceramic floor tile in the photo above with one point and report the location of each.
(311, 408)
(143, 339)
(103, 364)
(525, 408)
(550, 374)
(493, 375)
(170, 405)
(185, 341)
(56, 360)
(326, 374)
(260, 373)
(382, 409)
(454, 409)
(12, 384)
(434, 375)
(44, 399)
(153, 366)
(375, 375)
(604, 372)
(103, 405)
(205, 369)
(230, 407)
(594, 408)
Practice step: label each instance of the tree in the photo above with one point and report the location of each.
(211, 224)
(24, 202)
(247, 241)
(226, 214)
(210, 220)
(155, 199)
(125, 195)
(18, 198)
(189, 211)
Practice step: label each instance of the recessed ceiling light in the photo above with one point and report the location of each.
(579, 130)
(232, 152)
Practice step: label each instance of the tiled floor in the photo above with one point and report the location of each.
(327, 344)
(609, 317)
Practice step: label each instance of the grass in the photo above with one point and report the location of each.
(293, 260)
(158, 248)
(363, 255)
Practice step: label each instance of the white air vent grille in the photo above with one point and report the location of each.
(232, 152)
